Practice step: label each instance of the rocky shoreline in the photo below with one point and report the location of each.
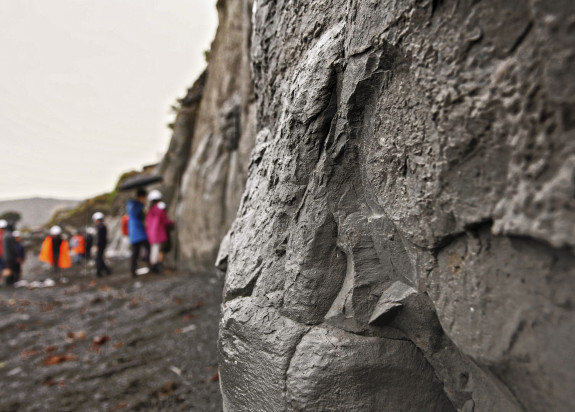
(113, 344)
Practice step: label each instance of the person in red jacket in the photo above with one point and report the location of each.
(156, 223)
(167, 245)
(56, 250)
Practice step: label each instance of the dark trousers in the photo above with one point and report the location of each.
(56, 260)
(100, 264)
(16, 271)
(136, 249)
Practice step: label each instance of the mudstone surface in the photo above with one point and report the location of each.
(406, 234)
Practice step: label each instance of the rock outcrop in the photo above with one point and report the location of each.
(205, 168)
(174, 162)
(406, 237)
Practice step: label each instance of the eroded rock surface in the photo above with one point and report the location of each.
(405, 240)
(220, 136)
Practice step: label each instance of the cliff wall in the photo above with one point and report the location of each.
(405, 239)
(205, 168)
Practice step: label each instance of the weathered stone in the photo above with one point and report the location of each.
(220, 145)
(409, 207)
(256, 345)
(175, 160)
(336, 370)
(506, 302)
(391, 299)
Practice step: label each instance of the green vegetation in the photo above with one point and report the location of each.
(111, 204)
(11, 216)
(81, 215)
(113, 194)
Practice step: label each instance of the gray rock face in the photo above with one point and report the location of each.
(175, 160)
(405, 239)
(220, 138)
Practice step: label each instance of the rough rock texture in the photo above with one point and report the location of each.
(176, 159)
(405, 240)
(216, 141)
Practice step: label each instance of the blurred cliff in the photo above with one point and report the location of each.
(205, 167)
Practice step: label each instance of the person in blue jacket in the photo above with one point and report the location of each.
(136, 228)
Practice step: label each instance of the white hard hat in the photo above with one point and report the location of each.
(16, 233)
(3, 223)
(55, 230)
(154, 195)
(161, 205)
(97, 216)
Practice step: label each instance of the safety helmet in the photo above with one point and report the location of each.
(97, 216)
(154, 195)
(161, 205)
(16, 233)
(55, 230)
(3, 223)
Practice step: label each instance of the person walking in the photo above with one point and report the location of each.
(156, 224)
(136, 230)
(78, 245)
(101, 243)
(3, 225)
(19, 247)
(11, 271)
(90, 232)
(167, 245)
(56, 250)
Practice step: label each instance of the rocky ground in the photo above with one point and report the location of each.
(110, 344)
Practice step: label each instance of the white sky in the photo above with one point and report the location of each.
(86, 87)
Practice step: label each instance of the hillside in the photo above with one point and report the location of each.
(36, 210)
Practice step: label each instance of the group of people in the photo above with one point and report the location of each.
(148, 232)
(12, 253)
(55, 249)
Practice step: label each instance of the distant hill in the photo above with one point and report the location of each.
(35, 211)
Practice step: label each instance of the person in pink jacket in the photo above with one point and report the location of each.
(157, 223)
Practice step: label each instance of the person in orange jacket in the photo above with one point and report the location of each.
(55, 250)
(78, 245)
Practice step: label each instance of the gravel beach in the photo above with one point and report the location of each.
(117, 343)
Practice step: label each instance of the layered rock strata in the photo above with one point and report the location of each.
(405, 240)
(205, 168)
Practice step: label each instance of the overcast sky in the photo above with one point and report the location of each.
(86, 87)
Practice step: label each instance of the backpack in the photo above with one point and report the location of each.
(125, 219)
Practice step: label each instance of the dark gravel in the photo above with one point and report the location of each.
(146, 344)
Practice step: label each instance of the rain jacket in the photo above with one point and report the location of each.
(46, 254)
(10, 249)
(136, 216)
(156, 224)
(78, 244)
(102, 236)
